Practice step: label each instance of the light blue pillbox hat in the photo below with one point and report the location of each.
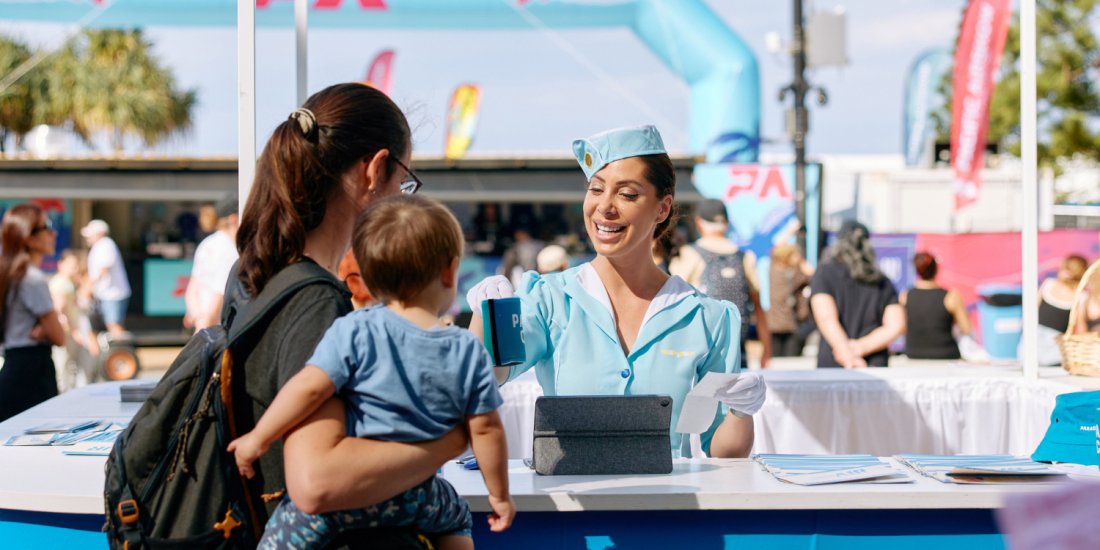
(605, 147)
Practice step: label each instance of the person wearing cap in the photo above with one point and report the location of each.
(107, 275)
(618, 325)
(716, 266)
(552, 259)
(214, 258)
(855, 306)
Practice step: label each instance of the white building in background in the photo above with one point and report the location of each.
(889, 197)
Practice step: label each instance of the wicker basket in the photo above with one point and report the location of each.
(1080, 352)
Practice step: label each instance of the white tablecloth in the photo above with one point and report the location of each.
(911, 407)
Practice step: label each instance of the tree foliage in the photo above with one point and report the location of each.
(100, 84)
(16, 103)
(1068, 59)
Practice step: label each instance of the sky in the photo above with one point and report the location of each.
(537, 96)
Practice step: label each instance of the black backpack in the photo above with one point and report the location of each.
(724, 278)
(170, 483)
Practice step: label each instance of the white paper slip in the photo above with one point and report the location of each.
(700, 404)
(838, 476)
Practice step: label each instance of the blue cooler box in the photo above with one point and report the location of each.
(1001, 316)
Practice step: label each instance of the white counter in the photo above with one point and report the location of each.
(42, 479)
(721, 484)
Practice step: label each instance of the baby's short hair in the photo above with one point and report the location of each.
(403, 242)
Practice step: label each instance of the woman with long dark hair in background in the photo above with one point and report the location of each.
(29, 324)
(854, 303)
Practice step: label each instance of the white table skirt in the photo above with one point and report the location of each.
(911, 407)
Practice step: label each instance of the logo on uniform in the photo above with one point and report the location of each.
(678, 354)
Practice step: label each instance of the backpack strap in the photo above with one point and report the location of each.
(239, 316)
(130, 522)
(242, 317)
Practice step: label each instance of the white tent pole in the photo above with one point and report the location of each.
(301, 45)
(246, 98)
(1029, 183)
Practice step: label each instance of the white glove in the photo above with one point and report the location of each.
(746, 395)
(491, 288)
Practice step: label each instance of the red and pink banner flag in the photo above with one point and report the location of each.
(981, 41)
(380, 72)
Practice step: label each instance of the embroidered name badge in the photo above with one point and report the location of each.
(677, 354)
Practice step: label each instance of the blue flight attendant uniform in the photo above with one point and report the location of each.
(572, 343)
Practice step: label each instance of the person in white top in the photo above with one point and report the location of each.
(214, 259)
(107, 275)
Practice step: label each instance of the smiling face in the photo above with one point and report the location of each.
(622, 208)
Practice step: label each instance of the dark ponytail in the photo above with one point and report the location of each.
(301, 167)
(661, 173)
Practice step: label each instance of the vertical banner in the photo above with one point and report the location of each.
(921, 98)
(461, 120)
(981, 41)
(380, 72)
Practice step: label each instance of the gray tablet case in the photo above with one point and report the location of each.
(606, 435)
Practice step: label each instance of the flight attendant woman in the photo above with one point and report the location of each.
(620, 325)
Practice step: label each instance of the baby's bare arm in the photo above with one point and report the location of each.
(491, 449)
(299, 398)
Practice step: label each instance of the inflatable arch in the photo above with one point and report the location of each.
(686, 35)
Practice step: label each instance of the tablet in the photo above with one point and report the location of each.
(602, 435)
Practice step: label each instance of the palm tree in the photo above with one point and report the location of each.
(101, 82)
(114, 86)
(16, 110)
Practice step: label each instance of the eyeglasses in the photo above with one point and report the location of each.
(47, 226)
(411, 185)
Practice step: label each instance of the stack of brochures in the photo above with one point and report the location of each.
(981, 468)
(825, 469)
(88, 437)
(136, 392)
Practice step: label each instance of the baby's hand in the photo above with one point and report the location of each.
(247, 449)
(504, 509)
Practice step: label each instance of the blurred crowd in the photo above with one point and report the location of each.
(847, 309)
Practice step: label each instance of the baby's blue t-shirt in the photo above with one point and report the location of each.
(401, 382)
